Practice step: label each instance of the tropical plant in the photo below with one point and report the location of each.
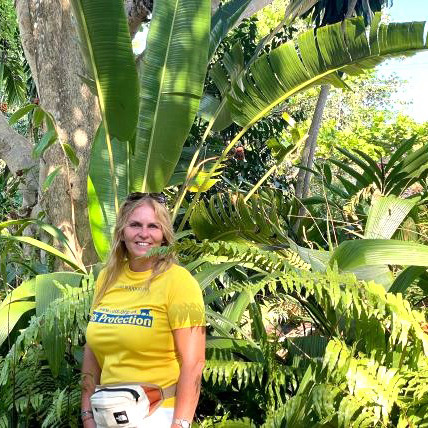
(39, 375)
(13, 74)
(238, 278)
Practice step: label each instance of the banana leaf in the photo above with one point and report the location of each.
(316, 59)
(106, 47)
(102, 205)
(172, 75)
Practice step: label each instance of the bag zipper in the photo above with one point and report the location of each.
(132, 391)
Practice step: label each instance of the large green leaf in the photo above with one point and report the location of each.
(11, 314)
(107, 51)
(101, 199)
(211, 272)
(316, 59)
(385, 216)
(172, 75)
(25, 291)
(15, 304)
(372, 252)
(71, 261)
(47, 291)
(406, 278)
(212, 109)
(36, 293)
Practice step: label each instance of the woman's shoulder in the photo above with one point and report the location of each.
(182, 287)
(179, 271)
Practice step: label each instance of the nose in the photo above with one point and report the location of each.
(144, 231)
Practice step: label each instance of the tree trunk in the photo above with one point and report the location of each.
(304, 176)
(50, 44)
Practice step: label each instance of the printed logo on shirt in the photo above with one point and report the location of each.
(143, 319)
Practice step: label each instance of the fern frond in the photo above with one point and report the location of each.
(220, 371)
(62, 325)
(384, 323)
(65, 407)
(247, 255)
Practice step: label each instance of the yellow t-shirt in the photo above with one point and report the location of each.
(130, 330)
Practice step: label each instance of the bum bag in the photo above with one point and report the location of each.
(127, 404)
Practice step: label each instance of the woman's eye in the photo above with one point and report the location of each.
(153, 226)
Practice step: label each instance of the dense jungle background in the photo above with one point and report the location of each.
(299, 197)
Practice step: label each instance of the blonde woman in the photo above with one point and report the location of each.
(147, 323)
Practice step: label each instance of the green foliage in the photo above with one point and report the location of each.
(350, 389)
(251, 256)
(39, 375)
(106, 48)
(13, 77)
(172, 76)
(364, 362)
(351, 54)
(374, 132)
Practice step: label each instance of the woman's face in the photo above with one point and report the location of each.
(142, 232)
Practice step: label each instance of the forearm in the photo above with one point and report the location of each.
(90, 378)
(188, 390)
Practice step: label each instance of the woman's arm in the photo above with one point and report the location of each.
(90, 377)
(190, 344)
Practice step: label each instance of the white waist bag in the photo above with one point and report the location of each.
(126, 405)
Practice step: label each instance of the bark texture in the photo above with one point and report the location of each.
(50, 44)
(304, 176)
(15, 150)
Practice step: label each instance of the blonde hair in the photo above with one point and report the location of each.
(118, 253)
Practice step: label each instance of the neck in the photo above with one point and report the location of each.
(141, 264)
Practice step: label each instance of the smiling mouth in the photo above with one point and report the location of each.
(142, 244)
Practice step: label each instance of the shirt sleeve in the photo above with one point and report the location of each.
(185, 302)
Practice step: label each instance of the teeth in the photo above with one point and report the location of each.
(142, 244)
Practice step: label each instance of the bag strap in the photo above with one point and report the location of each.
(167, 392)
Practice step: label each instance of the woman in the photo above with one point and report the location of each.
(147, 322)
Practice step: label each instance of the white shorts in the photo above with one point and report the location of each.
(161, 418)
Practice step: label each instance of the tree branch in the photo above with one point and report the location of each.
(137, 12)
(15, 150)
